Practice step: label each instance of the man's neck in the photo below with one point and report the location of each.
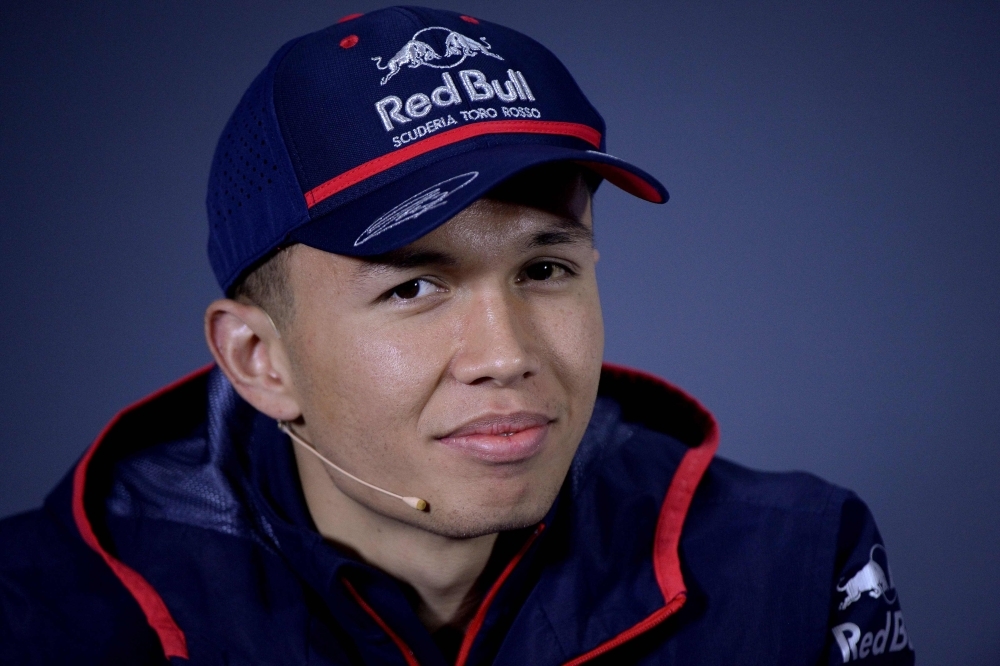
(442, 570)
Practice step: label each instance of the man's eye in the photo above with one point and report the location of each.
(544, 270)
(412, 289)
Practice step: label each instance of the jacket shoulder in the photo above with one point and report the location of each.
(802, 492)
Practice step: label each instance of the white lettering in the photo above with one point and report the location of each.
(421, 131)
(390, 109)
(882, 636)
(517, 84)
(524, 86)
(388, 114)
(448, 89)
(511, 86)
(847, 636)
(478, 114)
(418, 106)
(866, 644)
(520, 112)
(476, 84)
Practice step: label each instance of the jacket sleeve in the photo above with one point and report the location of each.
(866, 624)
(60, 604)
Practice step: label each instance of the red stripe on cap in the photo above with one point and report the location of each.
(626, 180)
(386, 162)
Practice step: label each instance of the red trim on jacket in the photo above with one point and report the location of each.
(386, 162)
(666, 558)
(474, 625)
(477, 620)
(157, 614)
(411, 659)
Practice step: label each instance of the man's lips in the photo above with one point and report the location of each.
(500, 438)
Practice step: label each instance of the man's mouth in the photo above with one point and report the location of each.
(501, 438)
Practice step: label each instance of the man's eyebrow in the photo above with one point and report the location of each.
(401, 260)
(569, 231)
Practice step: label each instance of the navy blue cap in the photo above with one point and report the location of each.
(361, 138)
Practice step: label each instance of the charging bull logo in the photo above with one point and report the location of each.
(418, 52)
(871, 578)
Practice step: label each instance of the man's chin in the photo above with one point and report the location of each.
(469, 524)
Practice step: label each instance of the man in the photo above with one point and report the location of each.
(408, 451)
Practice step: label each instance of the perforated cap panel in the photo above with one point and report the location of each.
(244, 163)
(253, 198)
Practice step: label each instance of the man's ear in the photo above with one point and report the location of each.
(248, 349)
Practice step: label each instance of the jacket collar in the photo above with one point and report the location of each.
(611, 568)
(616, 573)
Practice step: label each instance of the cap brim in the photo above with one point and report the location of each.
(402, 211)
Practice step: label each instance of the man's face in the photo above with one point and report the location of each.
(461, 369)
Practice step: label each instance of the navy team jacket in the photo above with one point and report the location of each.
(182, 537)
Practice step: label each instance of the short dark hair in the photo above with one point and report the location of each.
(266, 285)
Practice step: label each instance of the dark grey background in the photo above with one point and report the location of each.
(824, 278)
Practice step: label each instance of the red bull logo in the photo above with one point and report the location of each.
(418, 52)
(870, 579)
(855, 645)
(874, 580)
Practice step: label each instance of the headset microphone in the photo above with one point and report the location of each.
(413, 502)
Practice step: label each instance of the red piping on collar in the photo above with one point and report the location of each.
(157, 614)
(386, 162)
(477, 621)
(666, 559)
(411, 659)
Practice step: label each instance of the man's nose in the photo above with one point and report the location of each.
(495, 341)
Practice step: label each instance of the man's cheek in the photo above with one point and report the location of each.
(400, 368)
(573, 332)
